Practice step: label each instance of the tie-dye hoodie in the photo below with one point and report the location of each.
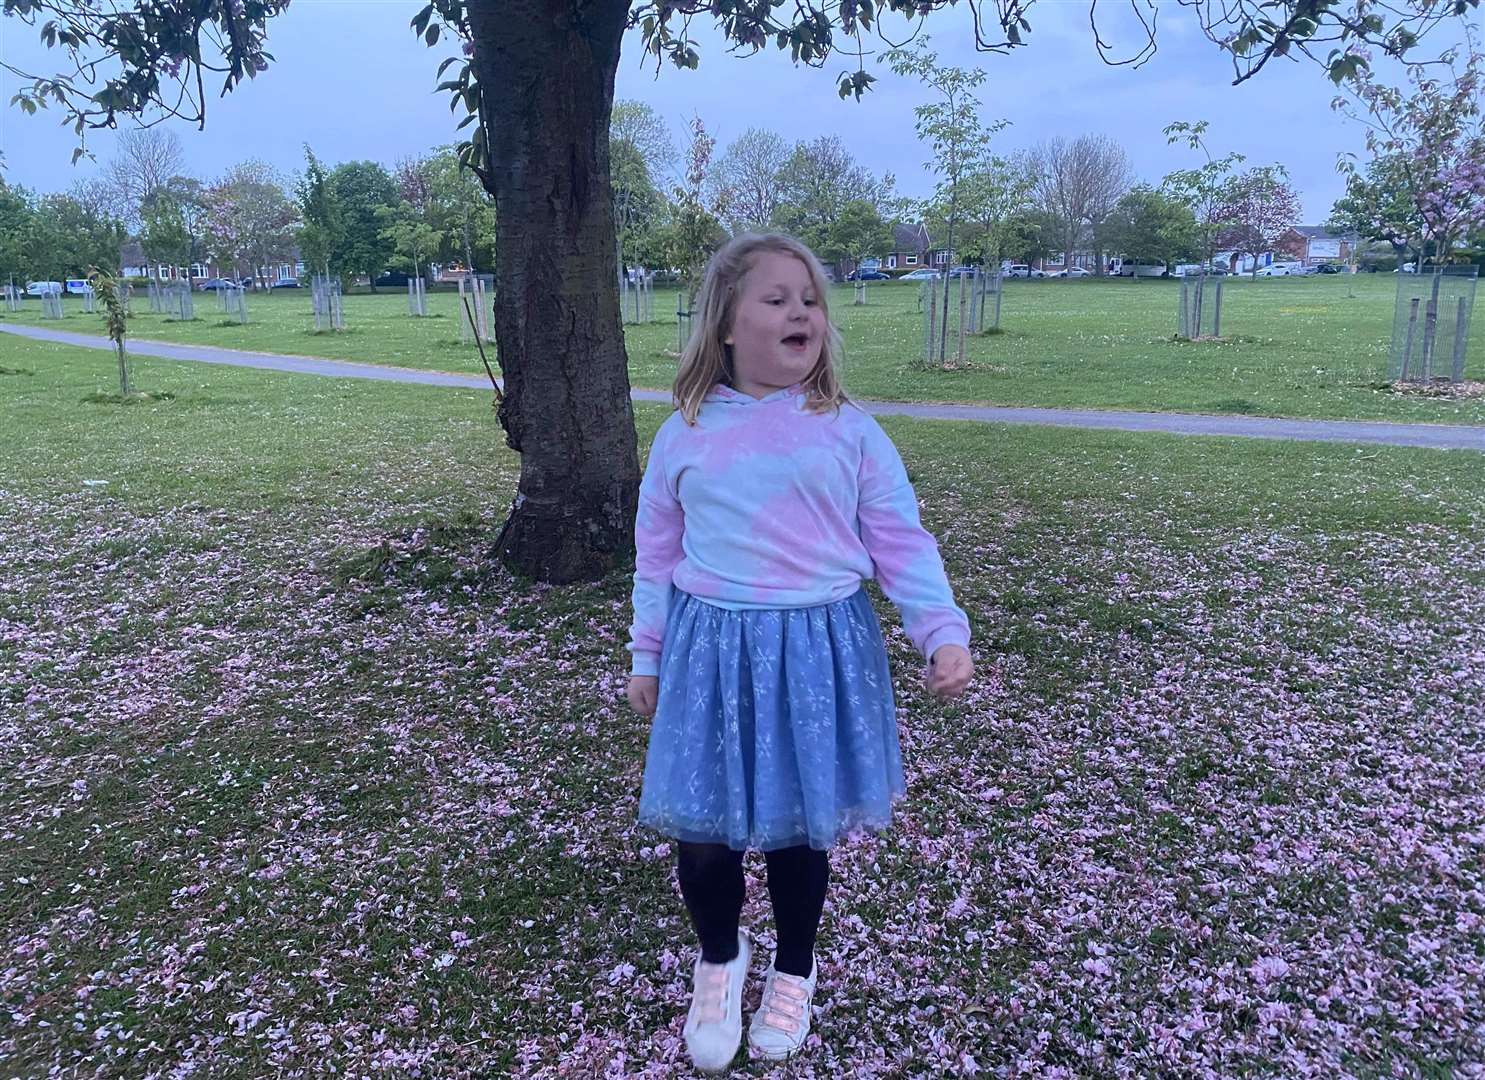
(764, 504)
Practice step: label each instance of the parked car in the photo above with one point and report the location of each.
(1022, 270)
(207, 284)
(923, 273)
(1071, 272)
(286, 283)
(44, 288)
(1279, 270)
(391, 277)
(1330, 268)
(868, 275)
(79, 286)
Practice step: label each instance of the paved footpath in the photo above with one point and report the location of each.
(1442, 436)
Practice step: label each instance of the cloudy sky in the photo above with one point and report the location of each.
(352, 81)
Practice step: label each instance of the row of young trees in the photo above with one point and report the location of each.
(1061, 195)
(52, 237)
(355, 218)
(673, 210)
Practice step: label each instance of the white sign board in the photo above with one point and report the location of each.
(1325, 249)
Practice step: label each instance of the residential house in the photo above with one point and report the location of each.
(912, 249)
(132, 263)
(1315, 244)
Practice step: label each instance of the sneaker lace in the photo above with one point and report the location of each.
(711, 993)
(784, 1002)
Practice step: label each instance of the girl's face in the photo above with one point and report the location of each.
(778, 327)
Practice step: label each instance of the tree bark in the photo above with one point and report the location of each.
(546, 75)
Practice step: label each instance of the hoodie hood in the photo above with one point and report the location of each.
(722, 394)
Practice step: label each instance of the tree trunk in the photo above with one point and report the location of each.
(546, 75)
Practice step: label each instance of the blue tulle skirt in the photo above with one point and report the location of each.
(773, 728)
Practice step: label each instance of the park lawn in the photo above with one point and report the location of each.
(292, 783)
(1303, 347)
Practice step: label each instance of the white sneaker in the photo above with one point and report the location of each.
(782, 1021)
(714, 1025)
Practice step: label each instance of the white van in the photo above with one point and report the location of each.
(44, 288)
(1121, 268)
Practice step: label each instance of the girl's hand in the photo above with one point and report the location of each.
(643, 692)
(949, 672)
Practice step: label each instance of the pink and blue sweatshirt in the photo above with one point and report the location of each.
(765, 504)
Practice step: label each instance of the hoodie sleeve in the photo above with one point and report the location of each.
(658, 524)
(904, 554)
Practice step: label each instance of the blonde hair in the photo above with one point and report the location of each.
(707, 359)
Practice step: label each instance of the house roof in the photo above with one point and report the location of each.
(1320, 232)
(131, 253)
(910, 237)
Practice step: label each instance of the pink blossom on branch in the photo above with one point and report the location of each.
(1435, 130)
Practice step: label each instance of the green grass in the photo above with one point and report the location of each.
(272, 730)
(1304, 347)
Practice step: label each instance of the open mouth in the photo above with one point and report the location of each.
(797, 341)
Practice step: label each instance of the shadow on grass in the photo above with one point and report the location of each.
(133, 397)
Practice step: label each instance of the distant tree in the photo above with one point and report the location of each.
(748, 184)
(361, 188)
(1080, 182)
(68, 237)
(1379, 205)
(994, 197)
(16, 214)
(144, 161)
(858, 232)
(463, 211)
(1202, 188)
(1257, 207)
(250, 218)
(638, 126)
(638, 204)
(189, 196)
(411, 239)
(1150, 226)
(1034, 236)
(411, 224)
(163, 234)
(641, 156)
(321, 236)
(95, 195)
(817, 181)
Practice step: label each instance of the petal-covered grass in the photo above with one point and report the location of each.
(1302, 346)
(294, 783)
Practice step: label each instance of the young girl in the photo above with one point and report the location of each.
(767, 500)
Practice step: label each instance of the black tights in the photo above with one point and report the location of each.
(711, 877)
